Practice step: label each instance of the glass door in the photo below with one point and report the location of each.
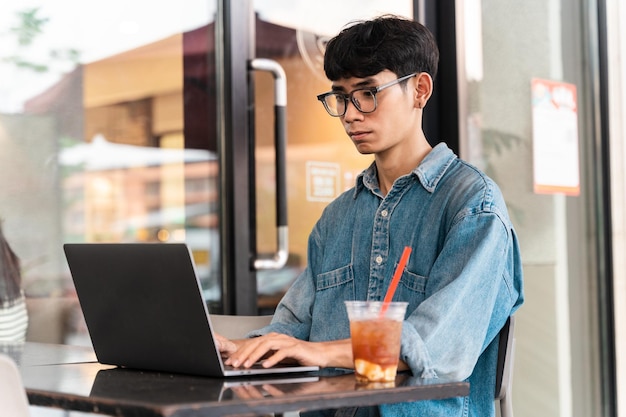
(321, 162)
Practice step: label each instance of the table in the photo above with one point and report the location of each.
(34, 354)
(77, 382)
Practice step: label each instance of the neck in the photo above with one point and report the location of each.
(395, 163)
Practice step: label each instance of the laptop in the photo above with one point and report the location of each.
(144, 309)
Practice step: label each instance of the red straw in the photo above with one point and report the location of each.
(394, 281)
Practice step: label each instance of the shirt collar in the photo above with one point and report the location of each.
(429, 171)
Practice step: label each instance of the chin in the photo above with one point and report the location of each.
(363, 149)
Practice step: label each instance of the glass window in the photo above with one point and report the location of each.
(100, 108)
(616, 16)
(512, 52)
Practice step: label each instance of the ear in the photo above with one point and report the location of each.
(423, 89)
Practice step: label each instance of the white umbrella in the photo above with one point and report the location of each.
(101, 154)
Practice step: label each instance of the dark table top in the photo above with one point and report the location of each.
(68, 377)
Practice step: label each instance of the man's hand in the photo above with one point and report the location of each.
(226, 346)
(275, 347)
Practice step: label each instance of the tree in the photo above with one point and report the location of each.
(27, 31)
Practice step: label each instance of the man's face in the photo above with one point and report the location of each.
(395, 119)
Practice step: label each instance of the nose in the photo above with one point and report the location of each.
(352, 113)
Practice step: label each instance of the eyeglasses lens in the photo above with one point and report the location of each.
(335, 104)
(363, 100)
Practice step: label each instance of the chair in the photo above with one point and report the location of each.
(236, 327)
(13, 400)
(504, 375)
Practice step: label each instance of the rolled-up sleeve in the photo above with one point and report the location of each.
(292, 316)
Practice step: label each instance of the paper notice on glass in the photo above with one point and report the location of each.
(322, 181)
(555, 138)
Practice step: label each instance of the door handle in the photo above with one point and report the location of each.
(279, 259)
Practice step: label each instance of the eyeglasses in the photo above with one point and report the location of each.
(364, 99)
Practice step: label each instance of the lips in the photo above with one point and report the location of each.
(358, 135)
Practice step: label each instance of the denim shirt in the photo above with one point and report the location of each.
(463, 278)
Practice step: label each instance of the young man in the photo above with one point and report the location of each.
(464, 277)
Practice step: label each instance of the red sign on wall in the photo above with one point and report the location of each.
(555, 138)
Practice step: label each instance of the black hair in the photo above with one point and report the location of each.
(387, 42)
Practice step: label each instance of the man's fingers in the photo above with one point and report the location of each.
(225, 346)
(259, 347)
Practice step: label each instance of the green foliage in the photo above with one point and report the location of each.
(30, 26)
(497, 141)
(24, 64)
(28, 29)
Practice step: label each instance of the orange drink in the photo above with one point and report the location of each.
(375, 339)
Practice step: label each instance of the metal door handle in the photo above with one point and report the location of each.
(280, 141)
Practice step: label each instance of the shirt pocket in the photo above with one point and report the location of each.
(336, 279)
(412, 288)
(332, 289)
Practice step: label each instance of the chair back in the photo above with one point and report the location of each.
(504, 374)
(13, 399)
(236, 327)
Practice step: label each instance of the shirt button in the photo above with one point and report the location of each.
(384, 213)
(379, 259)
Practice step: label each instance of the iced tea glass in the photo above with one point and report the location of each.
(375, 339)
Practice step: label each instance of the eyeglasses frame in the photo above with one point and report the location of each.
(350, 97)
